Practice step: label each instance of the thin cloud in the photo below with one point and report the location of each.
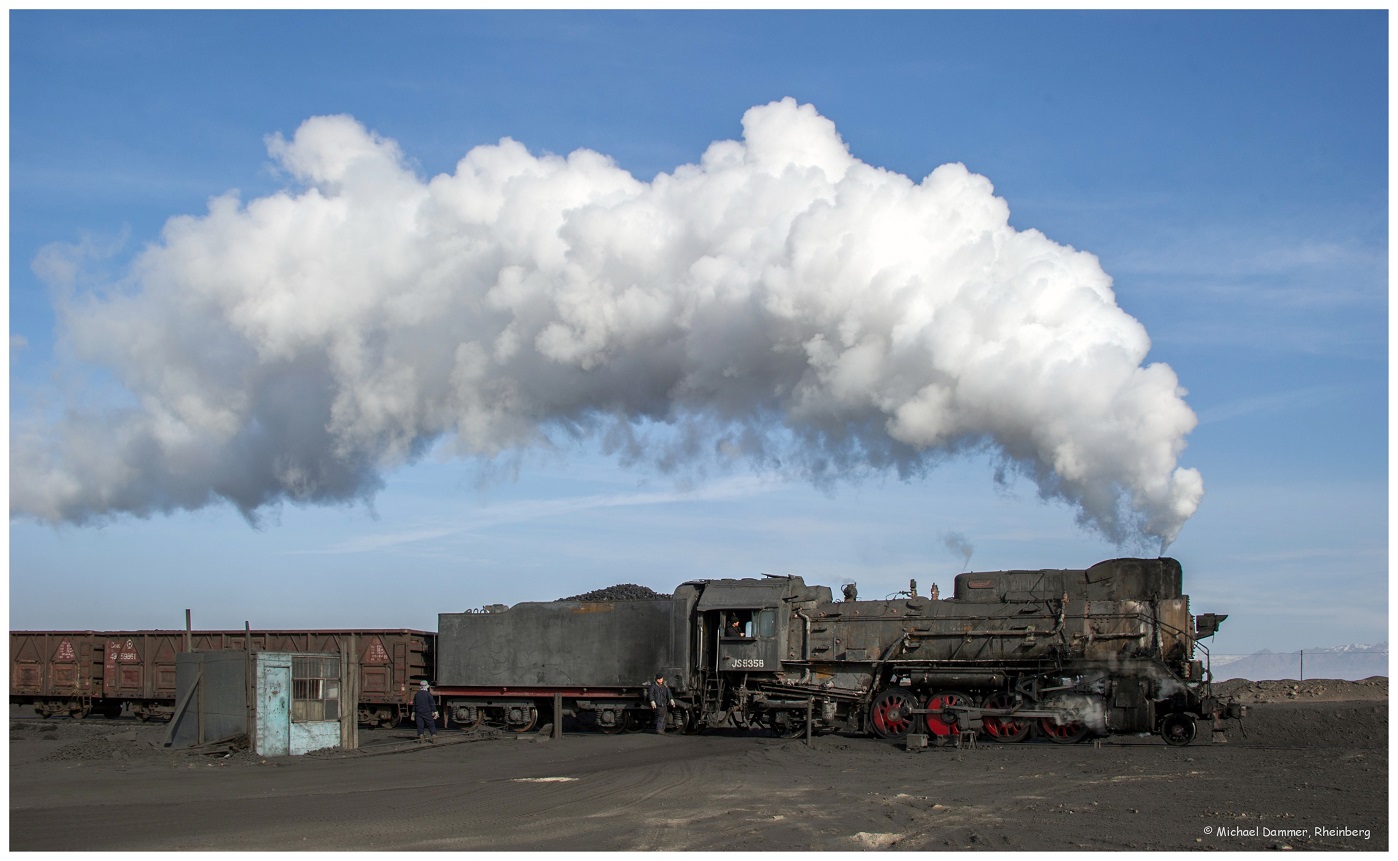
(541, 509)
(1269, 286)
(1273, 403)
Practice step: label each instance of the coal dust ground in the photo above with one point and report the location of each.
(1310, 773)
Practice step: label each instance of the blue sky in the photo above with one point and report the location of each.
(1228, 170)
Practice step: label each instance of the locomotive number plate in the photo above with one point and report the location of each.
(748, 663)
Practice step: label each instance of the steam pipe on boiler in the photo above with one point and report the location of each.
(805, 636)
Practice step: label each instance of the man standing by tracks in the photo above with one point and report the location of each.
(661, 700)
(425, 712)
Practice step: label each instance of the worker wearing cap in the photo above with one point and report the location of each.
(425, 712)
(661, 700)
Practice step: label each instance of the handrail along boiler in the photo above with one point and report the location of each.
(1068, 654)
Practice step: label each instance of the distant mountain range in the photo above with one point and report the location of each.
(1355, 661)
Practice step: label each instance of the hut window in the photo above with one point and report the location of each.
(315, 688)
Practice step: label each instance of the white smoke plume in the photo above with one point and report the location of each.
(780, 303)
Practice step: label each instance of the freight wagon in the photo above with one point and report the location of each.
(78, 673)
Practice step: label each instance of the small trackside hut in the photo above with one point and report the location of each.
(283, 703)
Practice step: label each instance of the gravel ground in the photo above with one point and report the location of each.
(1302, 773)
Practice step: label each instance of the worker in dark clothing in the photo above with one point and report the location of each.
(661, 700)
(425, 712)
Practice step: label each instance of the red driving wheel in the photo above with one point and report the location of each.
(892, 713)
(940, 722)
(1005, 729)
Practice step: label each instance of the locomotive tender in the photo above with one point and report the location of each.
(1067, 653)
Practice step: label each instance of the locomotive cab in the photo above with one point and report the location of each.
(736, 621)
(741, 631)
(748, 640)
(744, 625)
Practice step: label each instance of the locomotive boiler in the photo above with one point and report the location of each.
(1062, 654)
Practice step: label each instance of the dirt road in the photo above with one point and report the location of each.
(1308, 775)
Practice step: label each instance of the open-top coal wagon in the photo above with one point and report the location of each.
(79, 673)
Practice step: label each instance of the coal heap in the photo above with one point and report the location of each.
(622, 592)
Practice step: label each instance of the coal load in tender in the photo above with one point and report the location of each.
(621, 592)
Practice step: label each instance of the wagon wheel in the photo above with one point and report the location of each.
(468, 725)
(111, 711)
(528, 719)
(1177, 729)
(941, 723)
(635, 721)
(374, 717)
(1070, 732)
(78, 712)
(891, 714)
(1006, 730)
(692, 722)
(615, 727)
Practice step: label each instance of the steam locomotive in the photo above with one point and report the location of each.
(1062, 654)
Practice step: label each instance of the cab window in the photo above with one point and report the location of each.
(748, 624)
(737, 624)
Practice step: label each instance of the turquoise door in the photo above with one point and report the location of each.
(274, 709)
